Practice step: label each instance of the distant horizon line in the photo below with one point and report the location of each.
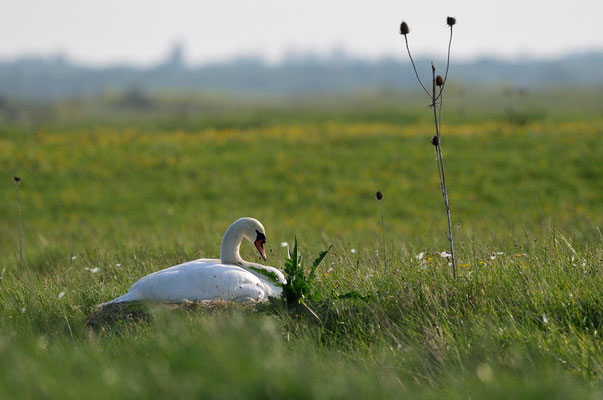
(292, 57)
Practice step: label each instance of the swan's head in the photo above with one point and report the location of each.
(254, 231)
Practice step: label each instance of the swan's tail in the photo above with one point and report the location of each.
(121, 299)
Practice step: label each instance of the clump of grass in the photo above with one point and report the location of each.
(437, 101)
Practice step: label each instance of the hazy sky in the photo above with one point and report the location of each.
(141, 31)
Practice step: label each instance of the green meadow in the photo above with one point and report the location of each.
(110, 197)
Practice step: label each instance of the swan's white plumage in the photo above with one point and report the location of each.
(228, 278)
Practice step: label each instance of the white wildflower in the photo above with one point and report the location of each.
(420, 256)
(118, 265)
(284, 244)
(353, 251)
(445, 254)
(61, 294)
(499, 253)
(94, 270)
(545, 319)
(73, 258)
(493, 257)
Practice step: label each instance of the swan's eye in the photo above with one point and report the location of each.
(260, 237)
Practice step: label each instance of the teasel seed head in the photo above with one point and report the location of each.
(379, 195)
(439, 80)
(17, 179)
(435, 141)
(404, 29)
(450, 21)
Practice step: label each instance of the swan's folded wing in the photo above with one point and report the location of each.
(199, 280)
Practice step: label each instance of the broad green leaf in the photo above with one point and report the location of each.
(269, 274)
(353, 295)
(317, 262)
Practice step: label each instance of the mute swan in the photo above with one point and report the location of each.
(230, 278)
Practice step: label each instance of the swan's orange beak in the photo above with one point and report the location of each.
(259, 244)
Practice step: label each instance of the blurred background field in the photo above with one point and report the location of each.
(131, 166)
(106, 200)
(144, 176)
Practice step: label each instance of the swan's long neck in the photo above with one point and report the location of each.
(229, 252)
(231, 243)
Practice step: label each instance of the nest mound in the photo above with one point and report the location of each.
(109, 315)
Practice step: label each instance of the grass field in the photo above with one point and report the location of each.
(104, 204)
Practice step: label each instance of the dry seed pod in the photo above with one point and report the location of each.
(404, 29)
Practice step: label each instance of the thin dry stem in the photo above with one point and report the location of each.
(20, 227)
(447, 66)
(414, 66)
(382, 229)
(436, 105)
(437, 121)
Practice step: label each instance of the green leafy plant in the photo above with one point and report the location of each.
(299, 294)
(299, 286)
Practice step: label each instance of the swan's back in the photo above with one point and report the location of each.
(203, 279)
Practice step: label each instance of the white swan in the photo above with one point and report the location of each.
(230, 278)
